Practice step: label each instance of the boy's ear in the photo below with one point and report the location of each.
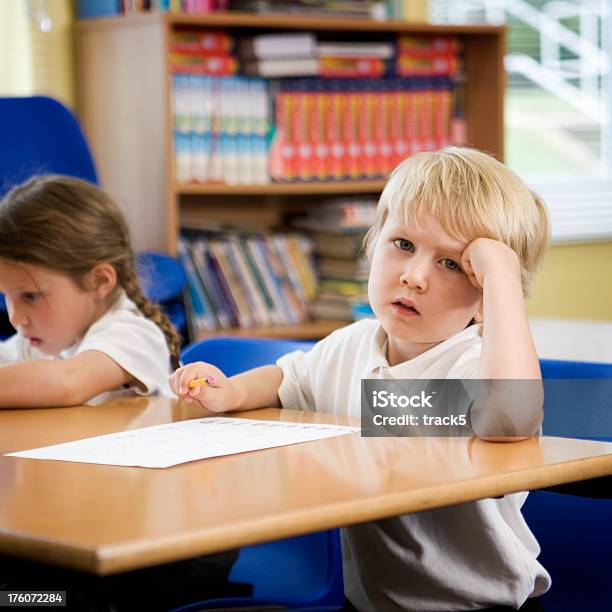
(102, 279)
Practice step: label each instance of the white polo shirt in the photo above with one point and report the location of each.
(462, 557)
(123, 333)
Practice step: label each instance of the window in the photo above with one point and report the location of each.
(557, 106)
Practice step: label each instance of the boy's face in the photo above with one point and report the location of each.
(46, 307)
(417, 288)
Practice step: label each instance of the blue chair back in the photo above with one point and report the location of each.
(577, 399)
(163, 281)
(40, 136)
(235, 355)
(302, 573)
(162, 277)
(573, 531)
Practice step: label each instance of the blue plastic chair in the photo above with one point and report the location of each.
(302, 573)
(163, 280)
(573, 530)
(41, 136)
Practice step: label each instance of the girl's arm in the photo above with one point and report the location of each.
(61, 382)
(256, 388)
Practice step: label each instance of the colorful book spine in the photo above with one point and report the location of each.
(221, 127)
(238, 280)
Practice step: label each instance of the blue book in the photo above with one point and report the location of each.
(88, 9)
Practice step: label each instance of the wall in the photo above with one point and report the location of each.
(37, 49)
(575, 282)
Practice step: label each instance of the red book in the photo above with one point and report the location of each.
(282, 166)
(426, 46)
(317, 135)
(397, 126)
(337, 146)
(366, 134)
(208, 42)
(408, 65)
(214, 65)
(411, 104)
(381, 134)
(351, 134)
(303, 145)
(441, 117)
(351, 67)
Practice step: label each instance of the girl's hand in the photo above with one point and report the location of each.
(218, 395)
(485, 258)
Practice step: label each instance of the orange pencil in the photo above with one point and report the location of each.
(209, 381)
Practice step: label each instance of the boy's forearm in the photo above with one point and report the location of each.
(514, 411)
(508, 350)
(258, 388)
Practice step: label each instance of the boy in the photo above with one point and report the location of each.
(456, 242)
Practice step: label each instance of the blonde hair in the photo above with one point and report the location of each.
(68, 225)
(471, 195)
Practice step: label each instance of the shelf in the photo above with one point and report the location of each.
(306, 331)
(141, 86)
(315, 188)
(282, 21)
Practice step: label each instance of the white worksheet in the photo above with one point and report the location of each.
(173, 443)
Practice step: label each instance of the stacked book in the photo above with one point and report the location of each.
(354, 59)
(246, 280)
(279, 55)
(302, 54)
(428, 56)
(337, 229)
(204, 52)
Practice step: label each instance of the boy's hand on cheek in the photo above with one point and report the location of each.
(484, 258)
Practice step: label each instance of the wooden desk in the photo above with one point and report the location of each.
(106, 519)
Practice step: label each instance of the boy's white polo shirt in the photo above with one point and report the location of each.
(328, 378)
(462, 557)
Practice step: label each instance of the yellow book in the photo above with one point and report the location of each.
(415, 10)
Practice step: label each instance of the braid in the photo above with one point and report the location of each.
(133, 290)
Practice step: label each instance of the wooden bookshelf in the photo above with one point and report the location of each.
(281, 189)
(305, 331)
(124, 103)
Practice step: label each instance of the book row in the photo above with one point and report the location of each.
(218, 53)
(362, 130)
(246, 280)
(225, 130)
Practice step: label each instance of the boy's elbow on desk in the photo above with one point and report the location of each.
(509, 411)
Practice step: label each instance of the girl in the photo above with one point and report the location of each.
(85, 331)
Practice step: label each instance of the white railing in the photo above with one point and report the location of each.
(575, 80)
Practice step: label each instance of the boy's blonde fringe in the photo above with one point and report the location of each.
(471, 195)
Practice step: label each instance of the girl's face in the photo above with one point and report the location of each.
(417, 288)
(47, 307)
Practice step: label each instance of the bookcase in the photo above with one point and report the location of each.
(124, 104)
